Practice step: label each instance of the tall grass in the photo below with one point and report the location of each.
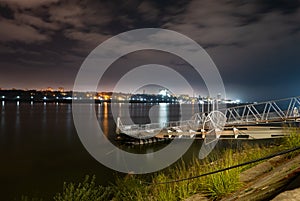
(85, 191)
(221, 184)
(129, 188)
(292, 141)
(214, 186)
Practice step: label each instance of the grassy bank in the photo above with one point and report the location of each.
(215, 186)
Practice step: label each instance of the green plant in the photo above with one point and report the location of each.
(292, 141)
(130, 188)
(163, 191)
(85, 191)
(221, 184)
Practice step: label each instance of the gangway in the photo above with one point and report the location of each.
(275, 111)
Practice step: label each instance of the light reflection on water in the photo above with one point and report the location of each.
(105, 125)
(2, 119)
(17, 126)
(40, 148)
(163, 113)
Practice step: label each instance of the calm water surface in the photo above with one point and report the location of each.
(40, 148)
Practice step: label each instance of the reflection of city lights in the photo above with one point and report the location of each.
(3, 97)
(18, 97)
(106, 97)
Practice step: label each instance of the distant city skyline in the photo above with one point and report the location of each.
(51, 95)
(157, 91)
(255, 45)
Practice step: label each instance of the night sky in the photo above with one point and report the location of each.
(254, 44)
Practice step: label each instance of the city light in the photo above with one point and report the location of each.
(164, 92)
(164, 95)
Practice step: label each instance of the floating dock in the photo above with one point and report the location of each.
(253, 121)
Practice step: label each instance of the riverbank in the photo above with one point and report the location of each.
(272, 179)
(182, 181)
(268, 179)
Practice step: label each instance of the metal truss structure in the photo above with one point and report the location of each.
(282, 110)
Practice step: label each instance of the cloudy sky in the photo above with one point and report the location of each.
(254, 44)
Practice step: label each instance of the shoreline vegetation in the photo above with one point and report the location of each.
(212, 187)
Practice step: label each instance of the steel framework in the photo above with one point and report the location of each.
(266, 112)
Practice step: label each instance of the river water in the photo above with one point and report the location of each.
(40, 148)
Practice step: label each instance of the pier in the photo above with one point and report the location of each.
(253, 121)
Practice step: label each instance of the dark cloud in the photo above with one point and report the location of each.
(286, 7)
(6, 12)
(13, 31)
(257, 40)
(28, 4)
